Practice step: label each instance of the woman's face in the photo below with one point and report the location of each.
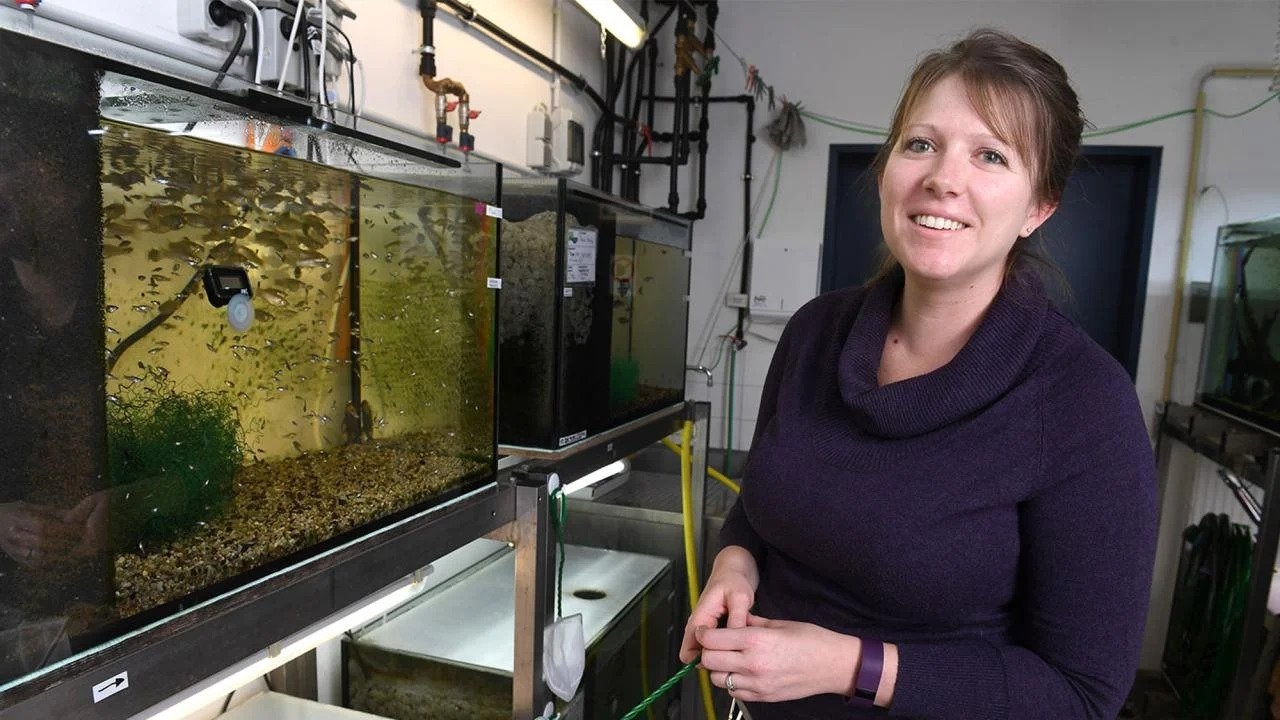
(953, 197)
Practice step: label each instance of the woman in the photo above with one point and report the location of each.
(949, 506)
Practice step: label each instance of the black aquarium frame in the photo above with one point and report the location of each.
(547, 446)
(284, 597)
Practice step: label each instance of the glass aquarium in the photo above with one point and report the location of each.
(450, 654)
(231, 342)
(594, 312)
(1240, 368)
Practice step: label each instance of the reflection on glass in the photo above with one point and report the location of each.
(158, 455)
(1240, 372)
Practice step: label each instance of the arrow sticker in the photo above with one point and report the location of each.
(107, 688)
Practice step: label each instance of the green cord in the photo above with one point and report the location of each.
(557, 521)
(857, 127)
(662, 689)
(777, 177)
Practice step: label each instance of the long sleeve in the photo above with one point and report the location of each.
(737, 528)
(1087, 541)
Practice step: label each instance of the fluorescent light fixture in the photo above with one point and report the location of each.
(287, 650)
(619, 19)
(614, 468)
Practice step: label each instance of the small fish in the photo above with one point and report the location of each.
(272, 240)
(305, 258)
(274, 297)
(289, 285)
(110, 251)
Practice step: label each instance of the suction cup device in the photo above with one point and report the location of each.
(229, 287)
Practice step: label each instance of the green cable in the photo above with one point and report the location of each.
(777, 176)
(1137, 124)
(1242, 113)
(557, 521)
(662, 689)
(857, 127)
(846, 125)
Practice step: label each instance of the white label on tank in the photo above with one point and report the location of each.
(573, 438)
(494, 283)
(107, 688)
(493, 211)
(568, 292)
(580, 256)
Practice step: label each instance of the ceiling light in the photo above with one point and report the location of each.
(619, 19)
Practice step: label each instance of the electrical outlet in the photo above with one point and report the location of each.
(735, 300)
(195, 23)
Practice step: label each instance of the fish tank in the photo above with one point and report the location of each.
(1240, 367)
(449, 655)
(594, 313)
(233, 342)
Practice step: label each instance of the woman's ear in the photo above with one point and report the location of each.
(1037, 217)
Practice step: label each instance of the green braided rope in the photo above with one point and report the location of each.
(557, 521)
(662, 689)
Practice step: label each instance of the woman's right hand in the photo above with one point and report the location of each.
(730, 592)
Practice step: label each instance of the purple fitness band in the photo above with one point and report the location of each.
(867, 682)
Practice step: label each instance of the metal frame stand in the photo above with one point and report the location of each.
(530, 533)
(535, 587)
(1236, 448)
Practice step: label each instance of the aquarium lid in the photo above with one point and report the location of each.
(472, 623)
(1251, 231)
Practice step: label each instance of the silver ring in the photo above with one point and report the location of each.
(728, 683)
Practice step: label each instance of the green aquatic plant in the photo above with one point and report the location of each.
(171, 460)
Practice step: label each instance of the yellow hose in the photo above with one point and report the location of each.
(714, 473)
(690, 553)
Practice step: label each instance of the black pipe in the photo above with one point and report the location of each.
(653, 77)
(710, 99)
(468, 14)
(644, 159)
(704, 123)
(624, 91)
(607, 139)
(744, 283)
(427, 64)
(666, 137)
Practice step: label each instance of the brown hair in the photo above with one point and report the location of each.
(1021, 92)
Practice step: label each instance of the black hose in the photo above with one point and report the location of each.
(226, 64)
(235, 52)
(469, 14)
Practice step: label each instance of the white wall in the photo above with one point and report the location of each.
(1128, 59)
(502, 84)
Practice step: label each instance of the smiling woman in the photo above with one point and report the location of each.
(949, 506)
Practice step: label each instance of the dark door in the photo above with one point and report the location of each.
(1100, 237)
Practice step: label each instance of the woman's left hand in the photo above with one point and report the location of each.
(776, 660)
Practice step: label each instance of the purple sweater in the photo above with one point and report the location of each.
(994, 518)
